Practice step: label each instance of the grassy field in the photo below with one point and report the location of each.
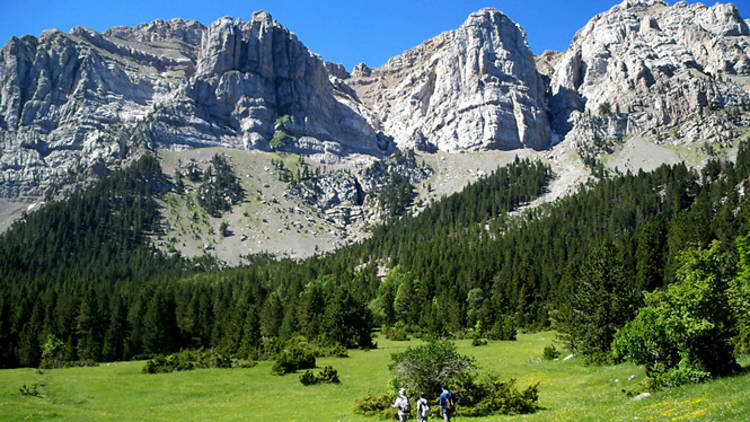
(569, 391)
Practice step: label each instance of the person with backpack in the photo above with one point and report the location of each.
(447, 403)
(403, 405)
(423, 408)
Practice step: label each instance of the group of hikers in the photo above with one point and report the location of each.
(403, 405)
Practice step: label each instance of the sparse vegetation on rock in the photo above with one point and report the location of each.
(219, 189)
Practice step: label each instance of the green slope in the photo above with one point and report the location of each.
(569, 391)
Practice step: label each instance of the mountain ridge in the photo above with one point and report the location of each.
(75, 105)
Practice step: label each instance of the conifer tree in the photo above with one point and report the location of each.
(250, 334)
(271, 316)
(602, 302)
(88, 328)
(650, 254)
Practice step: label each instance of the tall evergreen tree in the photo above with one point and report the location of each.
(602, 301)
(250, 334)
(159, 323)
(89, 327)
(271, 316)
(650, 254)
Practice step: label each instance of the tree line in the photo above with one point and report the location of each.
(82, 269)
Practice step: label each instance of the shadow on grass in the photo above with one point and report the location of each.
(744, 370)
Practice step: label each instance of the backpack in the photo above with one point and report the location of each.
(450, 403)
(406, 405)
(425, 408)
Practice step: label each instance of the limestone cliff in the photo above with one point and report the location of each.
(473, 88)
(75, 104)
(644, 66)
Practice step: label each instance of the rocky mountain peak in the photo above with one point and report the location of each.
(83, 99)
(251, 74)
(651, 65)
(494, 21)
(723, 20)
(640, 4)
(263, 17)
(472, 88)
(173, 30)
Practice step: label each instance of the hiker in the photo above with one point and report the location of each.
(402, 404)
(423, 408)
(447, 403)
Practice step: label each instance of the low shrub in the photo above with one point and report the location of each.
(269, 348)
(599, 359)
(338, 351)
(397, 332)
(503, 329)
(308, 378)
(488, 395)
(295, 356)
(143, 356)
(187, 360)
(328, 375)
(30, 390)
(478, 341)
(55, 363)
(243, 363)
(659, 376)
(551, 352)
(372, 405)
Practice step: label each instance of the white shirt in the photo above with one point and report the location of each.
(421, 405)
(400, 403)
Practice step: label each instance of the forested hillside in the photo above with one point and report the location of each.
(81, 270)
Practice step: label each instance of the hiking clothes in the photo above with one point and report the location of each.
(402, 403)
(423, 410)
(445, 398)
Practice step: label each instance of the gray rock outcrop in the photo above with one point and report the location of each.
(65, 99)
(473, 88)
(71, 102)
(347, 188)
(251, 73)
(644, 66)
(74, 104)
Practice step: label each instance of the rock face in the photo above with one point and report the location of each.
(65, 98)
(72, 102)
(343, 187)
(77, 103)
(251, 73)
(644, 66)
(473, 88)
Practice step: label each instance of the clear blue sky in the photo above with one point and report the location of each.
(347, 32)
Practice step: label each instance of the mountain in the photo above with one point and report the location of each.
(71, 101)
(304, 158)
(644, 67)
(640, 85)
(474, 88)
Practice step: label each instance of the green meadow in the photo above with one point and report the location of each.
(569, 390)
